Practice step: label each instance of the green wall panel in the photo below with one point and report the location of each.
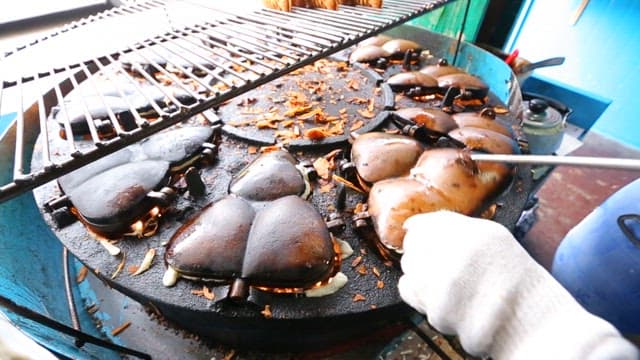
(448, 19)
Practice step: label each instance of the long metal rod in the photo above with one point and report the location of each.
(67, 124)
(583, 161)
(243, 41)
(461, 33)
(46, 153)
(18, 164)
(272, 39)
(330, 31)
(73, 313)
(87, 113)
(342, 17)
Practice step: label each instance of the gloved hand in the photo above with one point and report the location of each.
(473, 279)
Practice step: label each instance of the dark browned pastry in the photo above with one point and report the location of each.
(484, 120)
(372, 3)
(433, 119)
(378, 156)
(368, 53)
(485, 140)
(285, 5)
(442, 179)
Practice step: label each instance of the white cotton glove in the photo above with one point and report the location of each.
(473, 279)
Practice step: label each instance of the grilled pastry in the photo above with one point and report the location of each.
(378, 156)
(284, 5)
(442, 179)
(323, 4)
(372, 3)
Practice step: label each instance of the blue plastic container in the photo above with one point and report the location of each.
(599, 260)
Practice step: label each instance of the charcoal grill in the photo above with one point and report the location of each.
(213, 51)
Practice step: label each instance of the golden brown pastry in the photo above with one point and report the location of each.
(323, 4)
(442, 179)
(378, 155)
(392, 201)
(372, 3)
(484, 120)
(284, 5)
(467, 185)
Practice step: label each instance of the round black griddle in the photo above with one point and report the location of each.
(368, 304)
(341, 91)
(330, 319)
(353, 311)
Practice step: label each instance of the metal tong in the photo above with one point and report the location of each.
(583, 161)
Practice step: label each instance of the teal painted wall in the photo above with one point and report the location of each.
(447, 20)
(602, 51)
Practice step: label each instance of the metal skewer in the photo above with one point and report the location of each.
(584, 161)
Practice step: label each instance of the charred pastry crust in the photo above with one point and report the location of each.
(320, 4)
(285, 5)
(464, 159)
(372, 3)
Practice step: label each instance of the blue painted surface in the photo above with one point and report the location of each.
(5, 120)
(31, 268)
(601, 51)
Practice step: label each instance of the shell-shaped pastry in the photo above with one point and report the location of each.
(212, 244)
(268, 177)
(379, 156)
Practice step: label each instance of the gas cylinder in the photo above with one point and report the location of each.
(598, 261)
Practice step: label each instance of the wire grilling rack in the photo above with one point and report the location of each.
(142, 67)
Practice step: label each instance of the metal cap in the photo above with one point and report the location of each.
(540, 115)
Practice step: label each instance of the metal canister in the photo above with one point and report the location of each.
(598, 261)
(543, 126)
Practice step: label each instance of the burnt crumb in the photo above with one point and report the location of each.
(356, 261)
(247, 101)
(117, 331)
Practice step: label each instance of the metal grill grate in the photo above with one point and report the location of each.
(197, 58)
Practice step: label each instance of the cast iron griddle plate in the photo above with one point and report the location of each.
(362, 297)
(343, 98)
(368, 301)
